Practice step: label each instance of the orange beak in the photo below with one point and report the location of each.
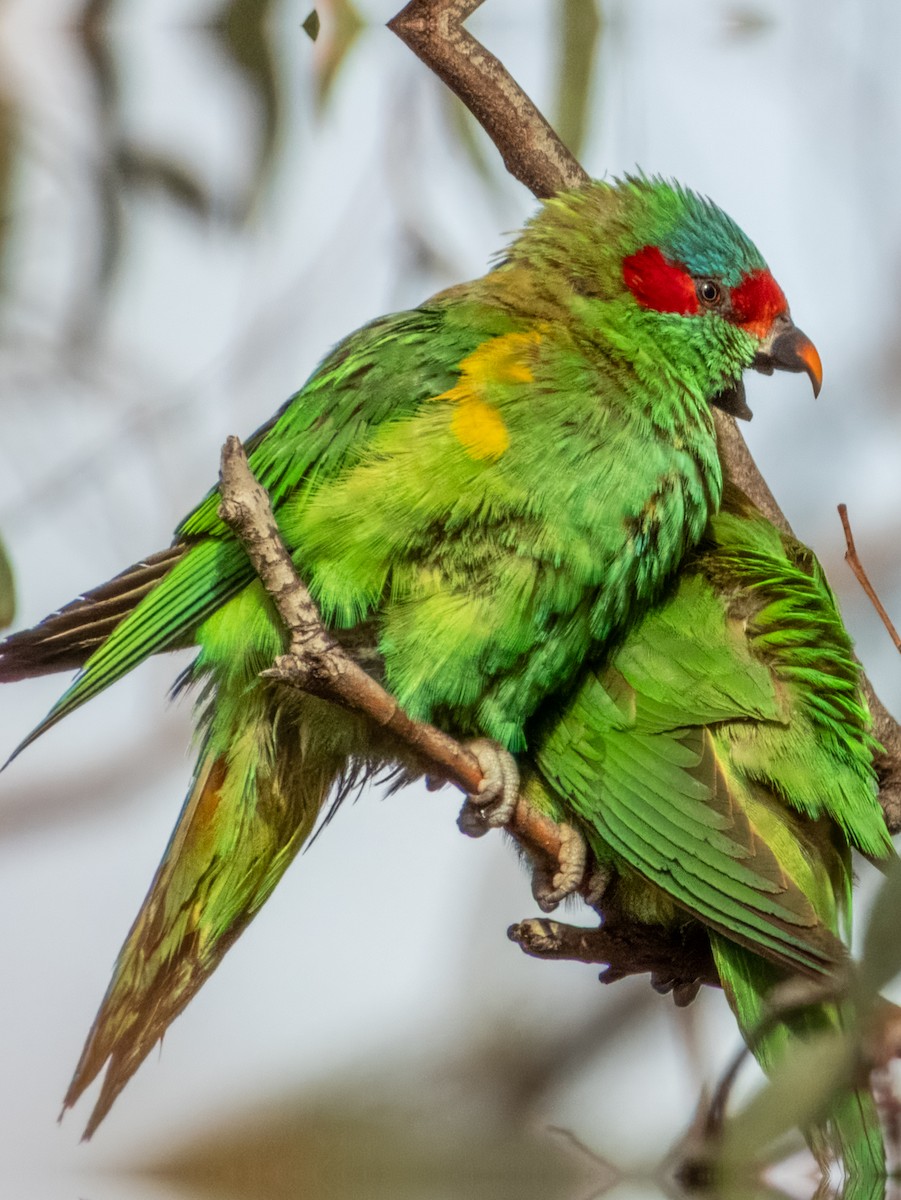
(806, 351)
(786, 348)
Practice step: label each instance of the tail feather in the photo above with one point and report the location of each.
(250, 809)
(66, 639)
(851, 1132)
(854, 1136)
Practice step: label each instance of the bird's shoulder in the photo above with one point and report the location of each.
(380, 373)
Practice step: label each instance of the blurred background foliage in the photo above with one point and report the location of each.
(7, 589)
(197, 199)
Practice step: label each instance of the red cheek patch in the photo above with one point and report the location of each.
(756, 302)
(658, 284)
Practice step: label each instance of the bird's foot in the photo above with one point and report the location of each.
(684, 991)
(493, 805)
(597, 883)
(554, 881)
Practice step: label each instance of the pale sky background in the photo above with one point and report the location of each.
(787, 113)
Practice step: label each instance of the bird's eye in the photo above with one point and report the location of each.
(708, 292)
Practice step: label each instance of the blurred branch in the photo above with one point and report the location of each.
(832, 1061)
(382, 1134)
(535, 155)
(126, 170)
(244, 35)
(7, 590)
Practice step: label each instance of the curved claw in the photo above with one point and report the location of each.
(551, 885)
(493, 805)
(596, 884)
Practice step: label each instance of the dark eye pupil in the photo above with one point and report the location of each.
(708, 291)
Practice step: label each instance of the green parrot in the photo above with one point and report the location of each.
(720, 765)
(482, 494)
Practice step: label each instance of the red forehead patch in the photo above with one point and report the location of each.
(658, 284)
(756, 302)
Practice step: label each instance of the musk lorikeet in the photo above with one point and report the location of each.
(482, 494)
(719, 763)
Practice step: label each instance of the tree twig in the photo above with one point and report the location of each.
(853, 561)
(678, 962)
(530, 148)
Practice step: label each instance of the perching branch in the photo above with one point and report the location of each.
(535, 155)
(678, 962)
(317, 664)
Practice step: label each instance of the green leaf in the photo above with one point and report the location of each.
(311, 25)
(7, 590)
(881, 960)
(825, 1065)
(580, 31)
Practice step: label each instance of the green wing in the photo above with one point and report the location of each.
(636, 757)
(680, 756)
(379, 374)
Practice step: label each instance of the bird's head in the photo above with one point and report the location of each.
(695, 263)
(651, 261)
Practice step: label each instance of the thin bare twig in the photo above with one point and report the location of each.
(853, 561)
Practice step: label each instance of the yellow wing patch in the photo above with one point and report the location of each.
(476, 423)
(479, 429)
(501, 359)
